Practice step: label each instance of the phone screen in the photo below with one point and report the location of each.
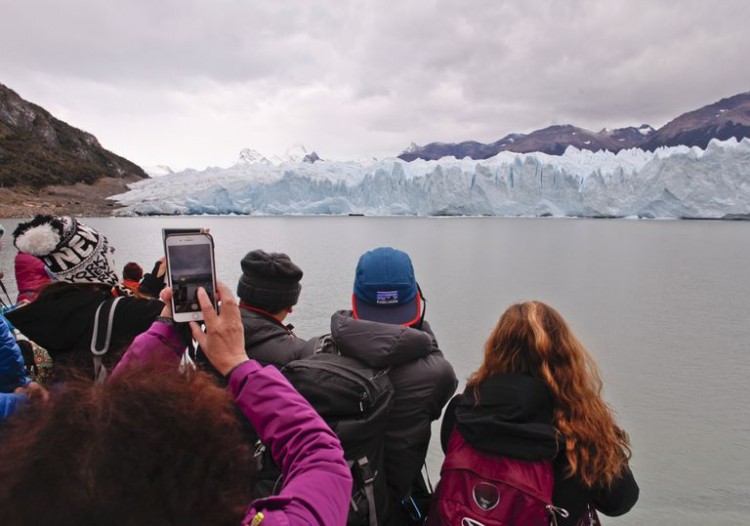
(190, 266)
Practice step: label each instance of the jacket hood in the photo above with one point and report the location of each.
(377, 344)
(514, 417)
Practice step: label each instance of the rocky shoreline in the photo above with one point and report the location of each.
(80, 200)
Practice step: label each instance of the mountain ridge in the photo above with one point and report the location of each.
(47, 165)
(38, 150)
(724, 119)
(670, 183)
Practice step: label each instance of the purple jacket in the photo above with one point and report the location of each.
(317, 481)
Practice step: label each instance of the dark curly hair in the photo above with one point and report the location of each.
(150, 447)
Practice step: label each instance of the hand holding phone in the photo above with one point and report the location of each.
(224, 339)
(190, 265)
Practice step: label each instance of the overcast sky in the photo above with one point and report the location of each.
(189, 83)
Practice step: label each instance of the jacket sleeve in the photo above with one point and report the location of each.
(9, 403)
(618, 499)
(442, 374)
(317, 481)
(570, 493)
(161, 342)
(422, 388)
(12, 370)
(135, 315)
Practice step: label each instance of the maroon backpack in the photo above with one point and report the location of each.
(481, 489)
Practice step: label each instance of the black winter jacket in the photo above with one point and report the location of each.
(268, 341)
(62, 321)
(514, 418)
(423, 382)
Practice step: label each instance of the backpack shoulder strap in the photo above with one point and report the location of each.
(319, 344)
(101, 337)
(367, 479)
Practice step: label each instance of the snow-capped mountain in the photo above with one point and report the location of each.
(553, 140)
(677, 182)
(158, 170)
(250, 156)
(295, 154)
(721, 120)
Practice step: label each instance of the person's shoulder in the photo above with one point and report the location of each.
(147, 306)
(442, 370)
(437, 359)
(259, 322)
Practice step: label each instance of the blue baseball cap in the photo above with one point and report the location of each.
(385, 289)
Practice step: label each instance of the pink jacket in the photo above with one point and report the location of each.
(317, 481)
(31, 275)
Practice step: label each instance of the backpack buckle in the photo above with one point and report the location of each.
(368, 477)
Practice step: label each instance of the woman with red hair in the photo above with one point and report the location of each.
(537, 395)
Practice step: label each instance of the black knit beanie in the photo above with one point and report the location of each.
(269, 281)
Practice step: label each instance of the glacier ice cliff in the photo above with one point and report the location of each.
(678, 182)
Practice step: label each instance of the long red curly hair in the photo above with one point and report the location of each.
(533, 338)
(148, 447)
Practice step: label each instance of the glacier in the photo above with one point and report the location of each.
(675, 182)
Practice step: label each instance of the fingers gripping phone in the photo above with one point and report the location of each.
(190, 265)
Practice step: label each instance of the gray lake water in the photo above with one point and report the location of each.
(661, 305)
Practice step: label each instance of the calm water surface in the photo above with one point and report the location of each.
(662, 306)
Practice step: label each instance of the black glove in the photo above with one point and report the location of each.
(151, 284)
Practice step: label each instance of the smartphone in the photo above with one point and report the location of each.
(190, 265)
(172, 231)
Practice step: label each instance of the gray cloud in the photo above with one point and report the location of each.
(190, 82)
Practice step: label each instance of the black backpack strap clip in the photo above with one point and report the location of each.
(367, 478)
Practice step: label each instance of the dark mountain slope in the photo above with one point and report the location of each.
(37, 150)
(722, 120)
(552, 140)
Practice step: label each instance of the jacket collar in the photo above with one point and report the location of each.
(379, 344)
(288, 327)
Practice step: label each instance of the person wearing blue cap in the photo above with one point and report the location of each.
(386, 329)
(385, 289)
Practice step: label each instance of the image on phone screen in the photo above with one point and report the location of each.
(190, 267)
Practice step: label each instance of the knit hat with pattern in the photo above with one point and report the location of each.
(70, 250)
